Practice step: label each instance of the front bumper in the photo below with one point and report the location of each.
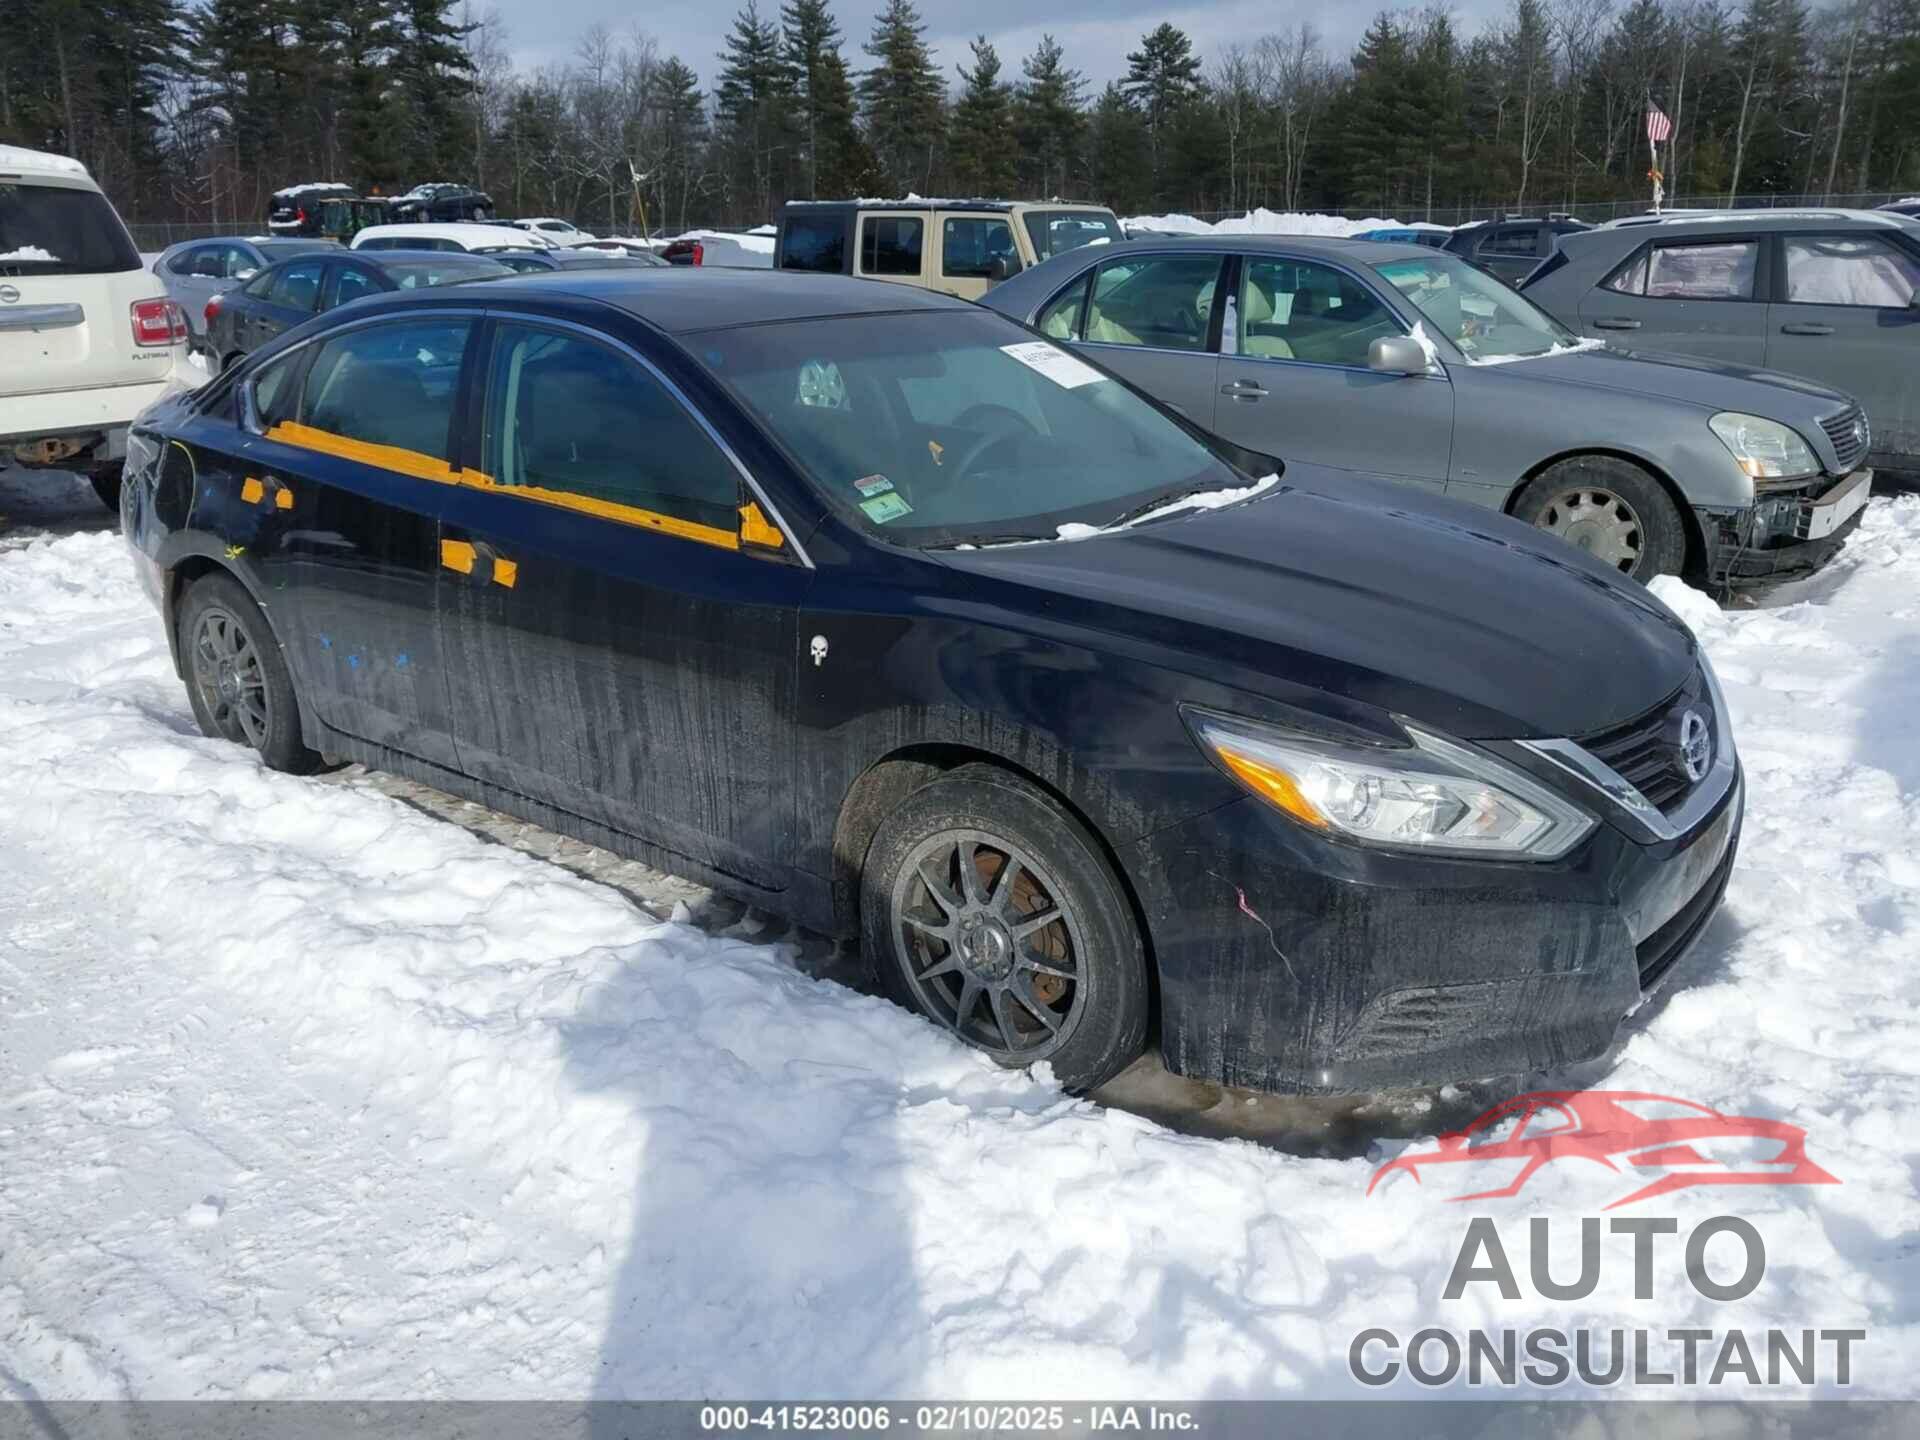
(1291, 962)
(1784, 536)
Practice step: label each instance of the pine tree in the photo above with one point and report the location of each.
(901, 96)
(682, 119)
(752, 100)
(1047, 119)
(1163, 77)
(809, 35)
(433, 75)
(978, 157)
(1121, 167)
(848, 165)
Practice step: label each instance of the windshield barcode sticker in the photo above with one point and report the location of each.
(1054, 363)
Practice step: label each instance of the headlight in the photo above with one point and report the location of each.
(1434, 796)
(1765, 449)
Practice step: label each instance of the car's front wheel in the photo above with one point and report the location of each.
(991, 911)
(237, 678)
(1610, 508)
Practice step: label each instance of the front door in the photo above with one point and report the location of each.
(619, 618)
(291, 298)
(1690, 297)
(1847, 318)
(972, 249)
(348, 456)
(1152, 319)
(1296, 381)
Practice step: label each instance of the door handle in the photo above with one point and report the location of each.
(1806, 328)
(1244, 390)
(1616, 323)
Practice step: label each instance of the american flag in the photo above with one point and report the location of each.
(1659, 127)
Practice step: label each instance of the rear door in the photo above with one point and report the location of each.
(1694, 295)
(618, 614)
(1845, 315)
(1154, 319)
(289, 298)
(1294, 378)
(351, 460)
(892, 245)
(71, 274)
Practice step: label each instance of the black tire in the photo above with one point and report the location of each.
(1086, 969)
(1612, 509)
(106, 484)
(253, 703)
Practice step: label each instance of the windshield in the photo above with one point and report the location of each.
(956, 426)
(1473, 310)
(1054, 232)
(54, 230)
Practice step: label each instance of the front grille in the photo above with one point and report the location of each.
(1645, 751)
(1848, 432)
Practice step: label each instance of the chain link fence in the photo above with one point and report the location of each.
(1594, 211)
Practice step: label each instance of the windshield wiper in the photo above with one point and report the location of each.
(1147, 507)
(981, 542)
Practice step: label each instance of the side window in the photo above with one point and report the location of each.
(350, 283)
(890, 244)
(183, 263)
(1710, 270)
(969, 246)
(1165, 301)
(389, 385)
(1849, 270)
(1060, 320)
(1512, 240)
(275, 396)
(260, 284)
(1292, 310)
(817, 243)
(297, 286)
(572, 418)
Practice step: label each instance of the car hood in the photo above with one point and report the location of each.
(1689, 379)
(1380, 595)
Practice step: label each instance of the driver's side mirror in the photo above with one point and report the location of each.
(1002, 267)
(1397, 355)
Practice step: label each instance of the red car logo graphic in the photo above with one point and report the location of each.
(1676, 1143)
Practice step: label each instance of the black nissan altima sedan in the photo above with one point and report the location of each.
(875, 608)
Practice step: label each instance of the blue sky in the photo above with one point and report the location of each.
(1097, 34)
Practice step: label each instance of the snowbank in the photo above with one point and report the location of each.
(309, 1094)
(1271, 222)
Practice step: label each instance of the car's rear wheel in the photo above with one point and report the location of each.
(1610, 508)
(237, 678)
(991, 911)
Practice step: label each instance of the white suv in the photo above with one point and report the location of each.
(88, 337)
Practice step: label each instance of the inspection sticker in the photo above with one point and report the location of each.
(871, 485)
(1054, 363)
(882, 508)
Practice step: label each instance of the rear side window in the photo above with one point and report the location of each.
(275, 397)
(572, 418)
(390, 385)
(1512, 240)
(296, 286)
(1850, 270)
(1709, 270)
(352, 284)
(817, 243)
(52, 230)
(890, 245)
(1060, 320)
(968, 247)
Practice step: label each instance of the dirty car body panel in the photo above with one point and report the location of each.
(743, 705)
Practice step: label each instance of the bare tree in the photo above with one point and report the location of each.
(1300, 82)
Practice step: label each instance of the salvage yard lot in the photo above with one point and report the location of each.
(306, 1092)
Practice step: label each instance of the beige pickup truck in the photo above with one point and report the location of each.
(960, 247)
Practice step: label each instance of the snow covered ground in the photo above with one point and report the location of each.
(306, 1091)
(1261, 221)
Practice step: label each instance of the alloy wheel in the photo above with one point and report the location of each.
(987, 945)
(227, 670)
(1599, 522)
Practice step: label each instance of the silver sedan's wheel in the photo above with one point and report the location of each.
(1599, 522)
(987, 946)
